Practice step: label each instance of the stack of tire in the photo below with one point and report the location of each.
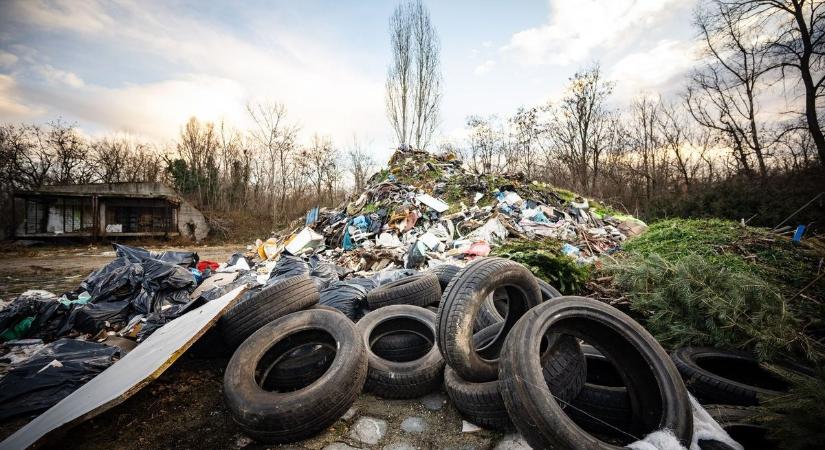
(527, 369)
(299, 366)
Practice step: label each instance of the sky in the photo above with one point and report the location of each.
(143, 68)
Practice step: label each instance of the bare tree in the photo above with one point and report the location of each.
(276, 139)
(795, 30)
(722, 95)
(579, 124)
(109, 156)
(318, 162)
(361, 165)
(413, 87)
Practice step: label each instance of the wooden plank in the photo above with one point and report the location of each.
(124, 378)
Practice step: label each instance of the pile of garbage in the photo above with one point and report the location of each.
(427, 210)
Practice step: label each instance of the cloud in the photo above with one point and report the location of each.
(11, 105)
(205, 70)
(78, 16)
(484, 67)
(576, 27)
(657, 69)
(59, 77)
(7, 59)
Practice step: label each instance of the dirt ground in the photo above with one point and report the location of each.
(184, 408)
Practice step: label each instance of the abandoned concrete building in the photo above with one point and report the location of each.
(106, 210)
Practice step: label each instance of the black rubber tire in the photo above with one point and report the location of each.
(709, 387)
(282, 417)
(407, 379)
(602, 406)
(445, 274)
(739, 423)
(301, 368)
(547, 290)
(658, 397)
(421, 289)
(490, 312)
(480, 403)
(402, 346)
(460, 306)
(272, 302)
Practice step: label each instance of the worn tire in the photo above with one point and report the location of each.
(402, 346)
(602, 406)
(272, 302)
(739, 423)
(302, 367)
(421, 289)
(480, 403)
(492, 311)
(401, 379)
(280, 417)
(657, 395)
(547, 290)
(710, 387)
(445, 274)
(461, 303)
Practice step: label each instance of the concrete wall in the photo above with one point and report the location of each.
(191, 223)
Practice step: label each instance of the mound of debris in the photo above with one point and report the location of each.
(426, 210)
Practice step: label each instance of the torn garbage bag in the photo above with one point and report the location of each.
(48, 314)
(158, 275)
(93, 317)
(120, 278)
(344, 296)
(51, 374)
(137, 255)
(323, 272)
(288, 266)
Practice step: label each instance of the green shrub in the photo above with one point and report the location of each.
(545, 260)
(698, 301)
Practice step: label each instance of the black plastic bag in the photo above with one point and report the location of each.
(180, 304)
(93, 317)
(118, 279)
(324, 272)
(49, 315)
(159, 275)
(288, 266)
(138, 255)
(345, 296)
(51, 374)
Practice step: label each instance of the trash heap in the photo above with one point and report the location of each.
(426, 210)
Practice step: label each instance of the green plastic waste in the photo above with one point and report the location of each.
(18, 331)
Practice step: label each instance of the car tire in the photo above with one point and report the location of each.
(421, 289)
(290, 416)
(706, 373)
(270, 303)
(658, 397)
(460, 306)
(401, 379)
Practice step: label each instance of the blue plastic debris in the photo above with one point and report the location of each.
(797, 236)
(570, 250)
(312, 216)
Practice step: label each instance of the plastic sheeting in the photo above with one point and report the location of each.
(52, 374)
(137, 255)
(345, 296)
